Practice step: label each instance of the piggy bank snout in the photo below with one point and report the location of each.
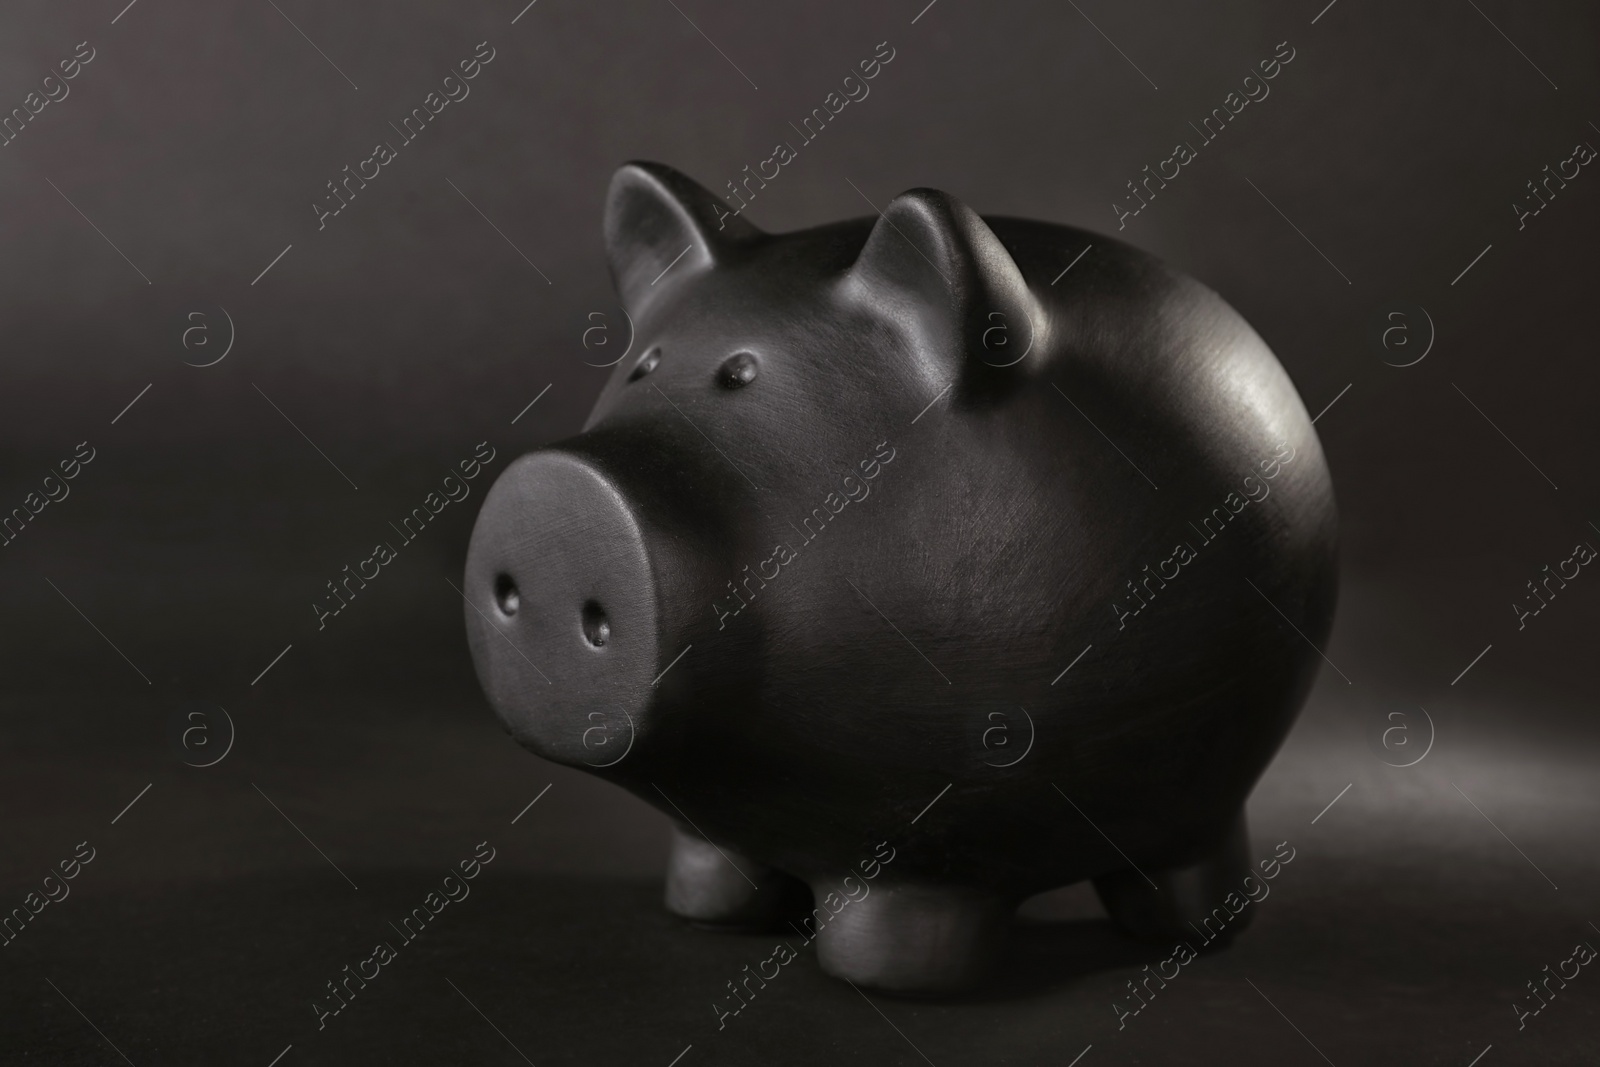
(561, 609)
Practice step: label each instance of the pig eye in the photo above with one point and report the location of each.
(737, 371)
(647, 363)
(596, 627)
(506, 595)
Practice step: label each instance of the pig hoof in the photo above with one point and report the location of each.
(912, 939)
(704, 888)
(1187, 902)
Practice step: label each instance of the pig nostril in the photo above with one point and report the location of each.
(646, 364)
(596, 627)
(737, 371)
(506, 595)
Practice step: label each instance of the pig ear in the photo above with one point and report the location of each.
(661, 227)
(934, 268)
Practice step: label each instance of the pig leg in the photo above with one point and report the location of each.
(1187, 903)
(722, 889)
(909, 938)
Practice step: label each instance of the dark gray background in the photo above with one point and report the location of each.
(409, 330)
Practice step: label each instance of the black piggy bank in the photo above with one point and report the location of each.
(900, 562)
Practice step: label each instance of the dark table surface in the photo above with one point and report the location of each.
(220, 904)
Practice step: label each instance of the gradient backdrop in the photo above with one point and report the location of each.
(171, 190)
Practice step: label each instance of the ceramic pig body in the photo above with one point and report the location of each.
(875, 517)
